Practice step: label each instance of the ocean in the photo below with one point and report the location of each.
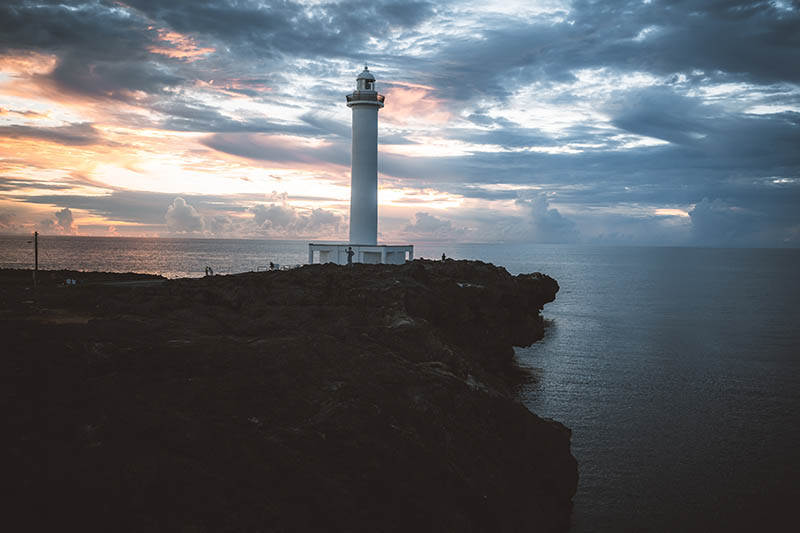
(677, 369)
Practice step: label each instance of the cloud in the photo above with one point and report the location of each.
(182, 217)
(273, 216)
(8, 224)
(72, 134)
(716, 222)
(280, 149)
(220, 225)
(742, 40)
(15, 184)
(430, 226)
(544, 223)
(116, 79)
(661, 113)
(405, 104)
(617, 108)
(285, 27)
(284, 220)
(637, 227)
(5, 220)
(65, 220)
(101, 49)
(61, 222)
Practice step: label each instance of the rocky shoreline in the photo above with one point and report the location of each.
(323, 398)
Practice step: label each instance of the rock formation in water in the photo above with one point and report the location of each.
(325, 398)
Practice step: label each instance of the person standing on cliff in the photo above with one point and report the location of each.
(444, 257)
(350, 254)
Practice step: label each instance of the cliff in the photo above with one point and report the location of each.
(324, 398)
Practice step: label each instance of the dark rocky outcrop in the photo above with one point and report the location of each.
(323, 398)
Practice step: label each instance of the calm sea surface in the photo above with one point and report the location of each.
(678, 369)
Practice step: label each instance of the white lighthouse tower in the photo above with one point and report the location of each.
(365, 103)
(363, 246)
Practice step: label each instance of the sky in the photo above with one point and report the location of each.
(604, 122)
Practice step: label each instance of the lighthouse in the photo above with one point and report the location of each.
(365, 103)
(363, 244)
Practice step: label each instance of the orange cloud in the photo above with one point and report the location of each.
(234, 87)
(25, 114)
(412, 85)
(26, 80)
(179, 46)
(413, 102)
(27, 63)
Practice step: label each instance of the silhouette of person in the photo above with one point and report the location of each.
(350, 254)
(444, 257)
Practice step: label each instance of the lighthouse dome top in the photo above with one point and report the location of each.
(365, 81)
(366, 75)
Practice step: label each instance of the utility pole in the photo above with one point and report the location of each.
(35, 255)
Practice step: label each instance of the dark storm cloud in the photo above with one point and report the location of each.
(127, 206)
(116, 78)
(186, 115)
(755, 41)
(327, 126)
(752, 141)
(711, 152)
(102, 31)
(72, 134)
(265, 148)
(111, 30)
(476, 191)
(717, 222)
(111, 50)
(200, 118)
(282, 27)
(101, 49)
(15, 184)
(663, 114)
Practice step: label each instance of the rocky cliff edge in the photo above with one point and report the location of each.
(325, 398)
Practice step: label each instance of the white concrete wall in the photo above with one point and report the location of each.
(337, 253)
(373, 258)
(395, 258)
(364, 177)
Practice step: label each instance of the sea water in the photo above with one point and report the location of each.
(677, 369)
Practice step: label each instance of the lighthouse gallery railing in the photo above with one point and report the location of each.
(365, 95)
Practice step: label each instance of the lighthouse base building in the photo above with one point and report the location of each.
(362, 253)
(363, 246)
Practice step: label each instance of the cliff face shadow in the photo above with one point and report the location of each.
(323, 398)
